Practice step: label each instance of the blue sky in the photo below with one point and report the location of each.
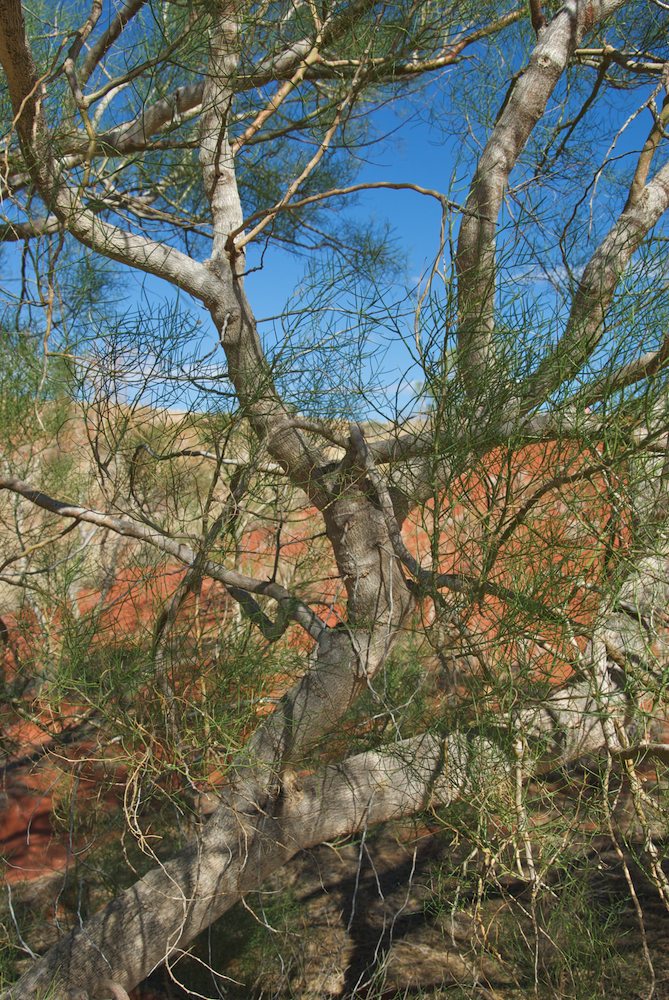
(411, 154)
(417, 152)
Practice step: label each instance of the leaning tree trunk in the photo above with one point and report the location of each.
(267, 813)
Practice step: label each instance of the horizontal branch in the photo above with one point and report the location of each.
(632, 63)
(368, 186)
(269, 467)
(296, 609)
(381, 69)
(648, 365)
(234, 854)
(17, 232)
(645, 751)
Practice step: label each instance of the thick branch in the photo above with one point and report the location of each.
(247, 365)
(247, 838)
(15, 232)
(133, 134)
(98, 50)
(238, 848)
(233, 856)
(430, 580)
(587, 318)
(382, 69)
(646, 366)
(26, 94)
(526, 103)
(216, 158)
(657, 133)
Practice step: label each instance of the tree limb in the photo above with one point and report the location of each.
(300, 612)
(26, 94)
(475, 259)
(98, 50)
(238, 848)
(587, 318)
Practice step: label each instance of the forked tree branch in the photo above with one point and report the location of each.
(650, 363)
(242, 844)
(430, 581)
(342, 663)
(98, 50)
(382, 69)
(525, 105)
(26, 94)
(134, 134)
(267, 810)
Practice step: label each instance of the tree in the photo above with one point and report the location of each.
(186, 142)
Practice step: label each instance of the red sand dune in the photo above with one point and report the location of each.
(545, 538)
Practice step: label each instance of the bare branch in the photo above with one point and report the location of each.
(26, 93)
(657, 133)
(277, 99)
(537, 16)
(648, 365)
(82, 35)
(239, 847)
(243, 460)
(300, 612)
(635, 64)
(293, 187)
(354, 189)
(388, 68)
(134, 134)
(15, 232)
(216, 157)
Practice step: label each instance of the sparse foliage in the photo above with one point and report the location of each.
(279, 602)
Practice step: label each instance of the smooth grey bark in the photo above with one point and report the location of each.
(524, 106)
(176, 901)
(243, 842)
(586, 324)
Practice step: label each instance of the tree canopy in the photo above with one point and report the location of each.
(407, 537)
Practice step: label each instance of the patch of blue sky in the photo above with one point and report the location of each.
(364, 353)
